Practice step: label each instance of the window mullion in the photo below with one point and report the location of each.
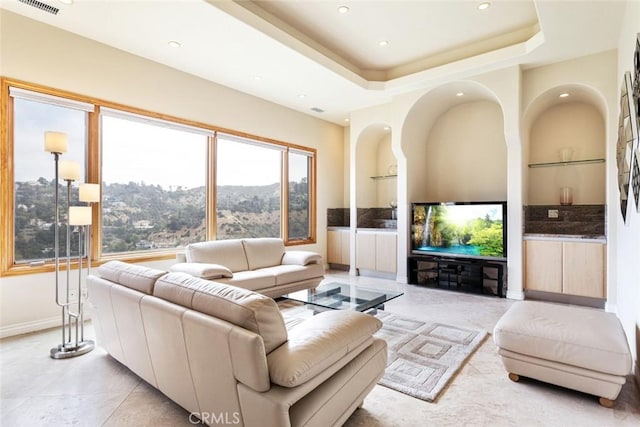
(211, 188)
(284, 200)
(93, 176)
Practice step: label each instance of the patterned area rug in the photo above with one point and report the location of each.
(423, 356)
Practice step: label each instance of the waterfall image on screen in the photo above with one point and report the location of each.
(469, 230)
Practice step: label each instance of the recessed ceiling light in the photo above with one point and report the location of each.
(564, 95)
(302, 95)
(383, 43)
(343, 9)
(386, 128)
(257, 78)
(347, 120)
(66, 1)
(174, 43)
(484, 5)
(460, 94)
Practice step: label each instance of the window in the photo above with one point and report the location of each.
(299, 223)
(165, 182)
(34, 171)
(154, 179)
(248, 188)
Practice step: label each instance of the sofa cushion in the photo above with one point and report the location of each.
(285, 274)
(252, 280)
(263, 252)
(318, 343)
(202, 270)
(249, 310)
(229, 253)
(130, 275)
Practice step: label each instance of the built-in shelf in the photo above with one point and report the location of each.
(383, 176)
(572, 162)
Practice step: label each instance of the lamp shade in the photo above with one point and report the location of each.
(69, 170)
(80, 215)
(55, 142)
(89, 192)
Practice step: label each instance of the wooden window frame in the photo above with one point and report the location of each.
(8, 267)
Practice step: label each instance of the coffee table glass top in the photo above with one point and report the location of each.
(341, 296)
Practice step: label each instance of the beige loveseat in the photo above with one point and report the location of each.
(258, 264)
(224, 354)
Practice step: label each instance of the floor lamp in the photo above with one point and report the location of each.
(56, 143)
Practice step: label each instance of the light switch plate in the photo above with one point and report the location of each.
(552, 213)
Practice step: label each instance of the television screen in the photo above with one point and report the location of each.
(469, 229)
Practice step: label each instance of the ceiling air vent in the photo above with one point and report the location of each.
(317, 110)
(42, 6)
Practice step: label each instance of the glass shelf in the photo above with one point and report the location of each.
(572, 162)
(384, 176)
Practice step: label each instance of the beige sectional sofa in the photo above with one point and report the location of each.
(224, 353)
(258, 264)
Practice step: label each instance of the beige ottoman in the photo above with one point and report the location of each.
(579, 348)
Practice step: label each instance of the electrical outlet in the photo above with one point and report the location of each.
(552, 213)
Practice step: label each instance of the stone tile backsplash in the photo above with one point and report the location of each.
(367, 218)
(580, 220)
(338, 217)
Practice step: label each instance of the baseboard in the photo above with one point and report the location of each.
(340, 267)
(26, 327)
(376, 274)
(565, 299)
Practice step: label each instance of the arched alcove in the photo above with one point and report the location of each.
(454, 141)
(376, 168)
(565, 147)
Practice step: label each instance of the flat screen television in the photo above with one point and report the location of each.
(460, 229)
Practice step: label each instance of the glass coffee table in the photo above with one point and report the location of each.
(342, 296)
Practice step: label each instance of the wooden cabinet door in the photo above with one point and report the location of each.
(543, 266)
(366, 250)
(386, 252)
(583, 269)
(334, 248)
(345, 248)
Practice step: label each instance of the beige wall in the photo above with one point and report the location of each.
(577, 126)
(386, 189)
(466, 154)
(627, 236)
(41, 54)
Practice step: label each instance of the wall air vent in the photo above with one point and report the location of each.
(42, 6)
(317, 110)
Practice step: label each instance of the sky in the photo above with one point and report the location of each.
(31, 120)
(139, 152)
(460, 214)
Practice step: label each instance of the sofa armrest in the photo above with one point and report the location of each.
(301, 258)
(202, 270)
(318, 343)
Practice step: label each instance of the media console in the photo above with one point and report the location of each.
(461, 274)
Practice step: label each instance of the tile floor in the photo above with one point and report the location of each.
(95, 390)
